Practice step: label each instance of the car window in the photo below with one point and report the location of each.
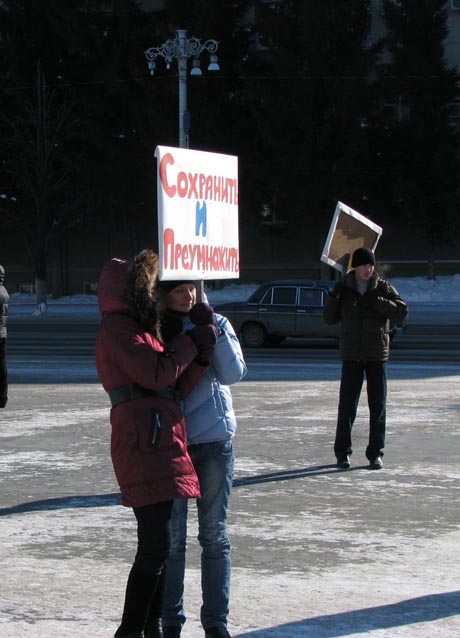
(285, 296)
(310, 297)
(258, 295)
(267, 298)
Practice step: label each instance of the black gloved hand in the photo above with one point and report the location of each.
(338, 289)
(202, 314)
(171, 326)
(369, 298)
(205, 339)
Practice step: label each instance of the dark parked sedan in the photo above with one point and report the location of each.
(280, 309)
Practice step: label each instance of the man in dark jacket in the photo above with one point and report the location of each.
(4, 301)
(365, 304)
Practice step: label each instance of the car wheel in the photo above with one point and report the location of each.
(275, 340)
(253, 335)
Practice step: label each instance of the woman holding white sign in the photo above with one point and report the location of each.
(211, 425)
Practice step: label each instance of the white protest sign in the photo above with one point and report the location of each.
(349, 230)
(197, 214)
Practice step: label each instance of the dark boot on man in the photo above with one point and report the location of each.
(343, 461)
(216, 632)
(171, 631)
(376, 463)
(154, 628)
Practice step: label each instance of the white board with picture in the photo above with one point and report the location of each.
(348, 231)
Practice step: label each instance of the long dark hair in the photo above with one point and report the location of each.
(142, 302)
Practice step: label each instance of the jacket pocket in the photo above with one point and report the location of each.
(155, 429)
(159, 429)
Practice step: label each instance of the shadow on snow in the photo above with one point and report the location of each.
(109, 500)
(406, 612)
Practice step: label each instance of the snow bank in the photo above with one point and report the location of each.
(418, 289)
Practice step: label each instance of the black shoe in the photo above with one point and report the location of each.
(154, 629)
(172, 631)
(216, 632)
(343, 461)
(136, 634)
(376, 464)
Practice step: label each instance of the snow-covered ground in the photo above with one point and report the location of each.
(317, 552)
(420, 289)
(444, 290)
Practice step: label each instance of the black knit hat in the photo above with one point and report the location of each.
(166, 286)
(361, 257)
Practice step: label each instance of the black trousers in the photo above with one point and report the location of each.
(3, 374)
(143, 596)
(353, 373)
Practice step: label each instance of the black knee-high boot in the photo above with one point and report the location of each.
(140, 591)
(153, 626)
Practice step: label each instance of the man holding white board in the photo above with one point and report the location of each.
(364, 304)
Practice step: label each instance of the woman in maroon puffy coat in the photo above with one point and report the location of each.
(145, 382)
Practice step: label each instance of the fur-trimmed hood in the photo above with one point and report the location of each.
(128, 286)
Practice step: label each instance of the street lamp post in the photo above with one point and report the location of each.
(182, 48)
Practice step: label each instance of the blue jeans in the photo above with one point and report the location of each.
(213, 463)
(350, 389)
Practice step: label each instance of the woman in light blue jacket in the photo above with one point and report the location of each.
(211, 426)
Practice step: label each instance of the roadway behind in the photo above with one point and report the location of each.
(71, 330)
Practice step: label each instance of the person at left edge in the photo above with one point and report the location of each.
(145, 382)
(4, 302)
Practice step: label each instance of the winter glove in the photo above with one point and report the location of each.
(171, 326)
(202, 314)
(338, 290)
(369, 298)
(205, 338)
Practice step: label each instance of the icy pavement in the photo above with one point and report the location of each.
(317, 552)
